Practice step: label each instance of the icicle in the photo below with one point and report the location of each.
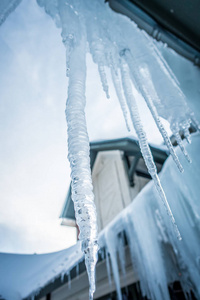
(102, 253)
(148, 92)
(97, 50)
(187, 135)
(62, 276)
(78, 145)
(146, 152)
(111, 244)
(104, 81)
(166, 204)
(69, 280)
(108, 268)
(185, 127)
(77, 271)
(121, 251)
(175, 130)
(118, 89)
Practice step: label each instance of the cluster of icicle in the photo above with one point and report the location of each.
(137, 68)
(154, 256)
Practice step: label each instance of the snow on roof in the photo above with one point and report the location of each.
(24, 274)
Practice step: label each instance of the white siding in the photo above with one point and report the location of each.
(111, 187)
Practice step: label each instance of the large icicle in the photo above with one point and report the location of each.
(78, 145)
(146, 152)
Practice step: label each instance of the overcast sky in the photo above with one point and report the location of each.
(34, 171)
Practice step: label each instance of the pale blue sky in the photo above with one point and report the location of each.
(34, 170)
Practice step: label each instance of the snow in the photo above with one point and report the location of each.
(23, 275)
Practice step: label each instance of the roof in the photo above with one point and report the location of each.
(174, 22)
(129, 145)
(180, 18)
(36, 270)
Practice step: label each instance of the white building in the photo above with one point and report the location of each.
(118, 175)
